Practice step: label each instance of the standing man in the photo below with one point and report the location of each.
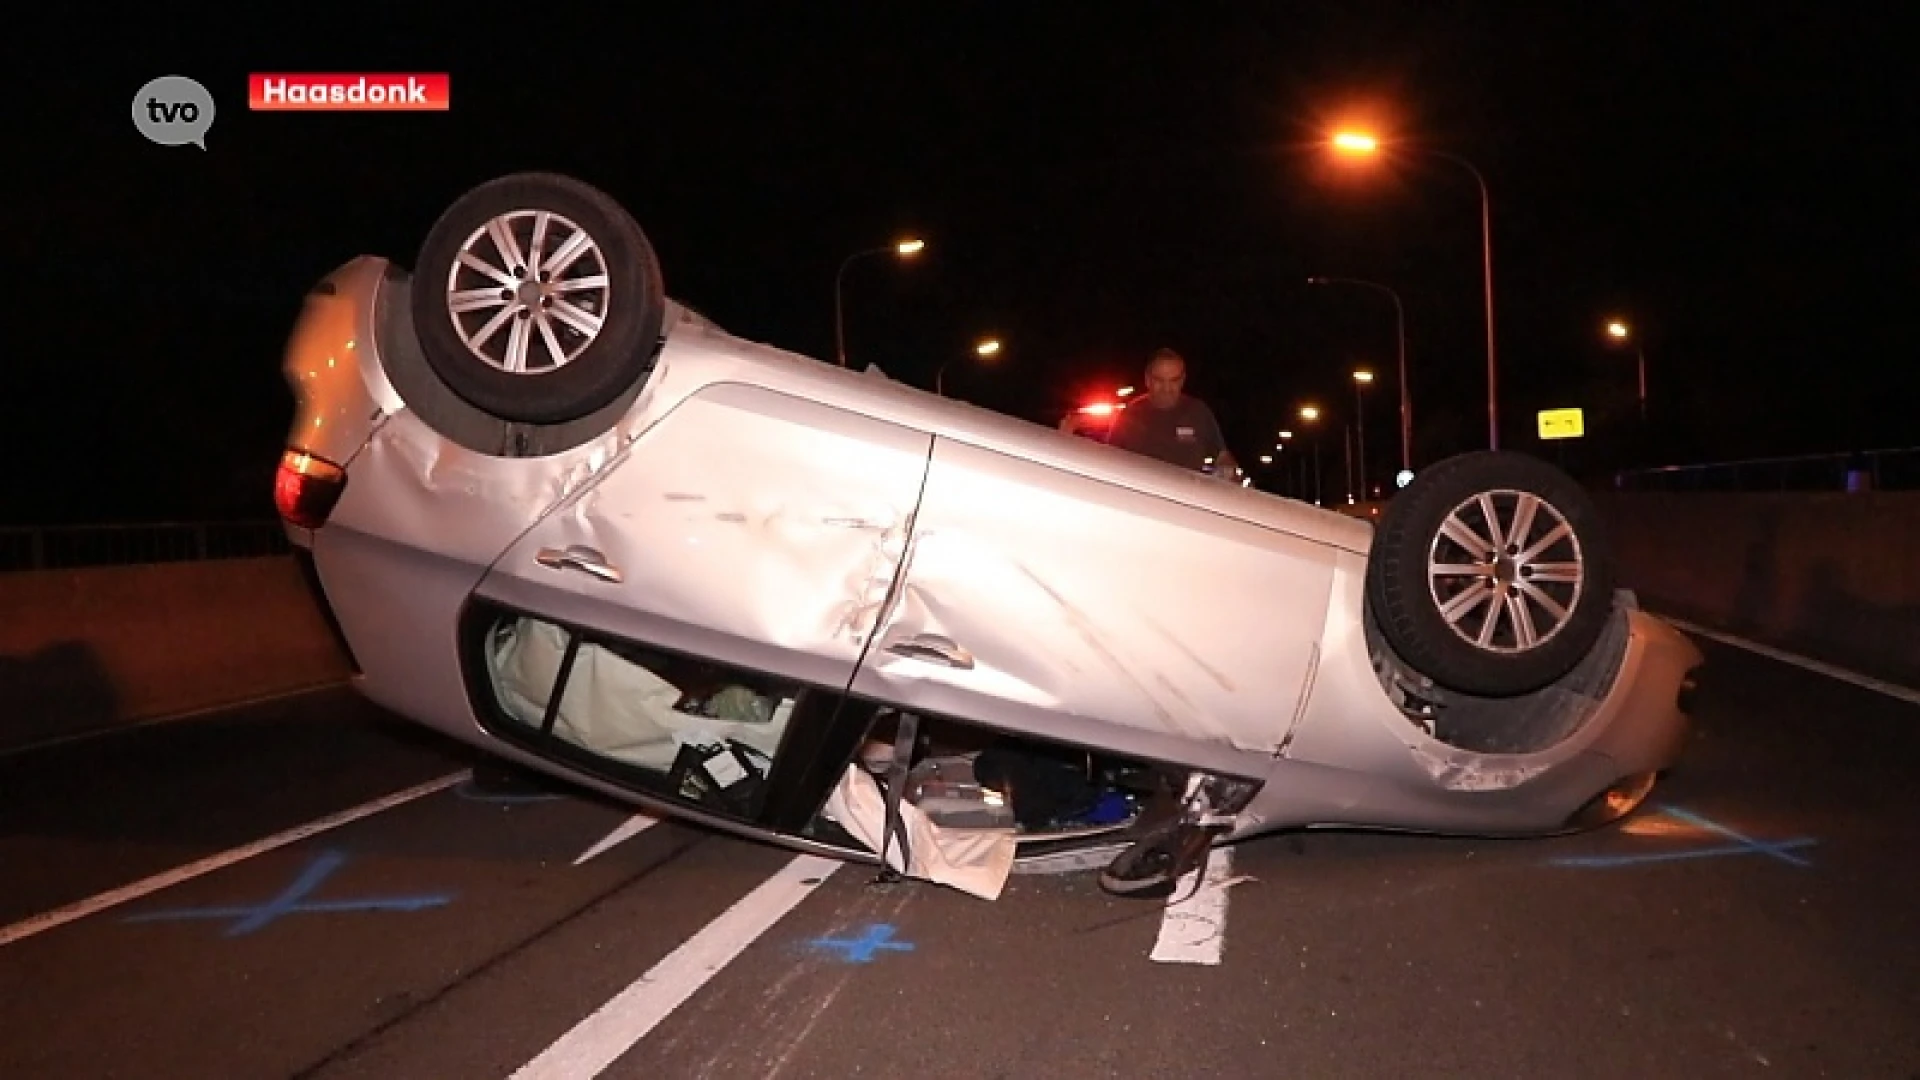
(1169, 426)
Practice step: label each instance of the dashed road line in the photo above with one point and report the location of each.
(599, 1040)
(1193, 929)
(621, 833)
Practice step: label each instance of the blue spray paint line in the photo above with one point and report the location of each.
(1742, 845)
(860, 950)
(292, 901)
(1700, 821)
(1676, 856)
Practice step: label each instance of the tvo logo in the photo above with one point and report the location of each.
(174, 110)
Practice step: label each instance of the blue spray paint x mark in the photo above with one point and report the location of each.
(1742, 845)
(860, 950)
(249, 918)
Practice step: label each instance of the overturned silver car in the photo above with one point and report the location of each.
(558, 516)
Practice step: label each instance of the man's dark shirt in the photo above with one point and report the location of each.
(1185, 434)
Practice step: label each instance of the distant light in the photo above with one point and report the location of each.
(1098, 408)
(1363, 376)
(1125, 391)
(1403, 478)
(1308, 413)
(1354, 142)
(1617, 329)
(1266, 459)
(909, 247)
(1286, 434)
(987, 348)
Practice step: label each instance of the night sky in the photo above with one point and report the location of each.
(1733, 179)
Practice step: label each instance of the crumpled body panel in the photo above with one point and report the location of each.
(745, 525)
(1041, 594)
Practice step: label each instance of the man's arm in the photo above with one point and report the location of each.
(1224, 465)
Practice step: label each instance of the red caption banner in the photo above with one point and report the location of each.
(349, 93)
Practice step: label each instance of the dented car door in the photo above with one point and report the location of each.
(746, 526)
(1039, 599)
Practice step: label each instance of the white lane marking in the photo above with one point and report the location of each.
(1864, 682)
(615, 1027)
(621, 833)
(168, 878)
(1193, 930)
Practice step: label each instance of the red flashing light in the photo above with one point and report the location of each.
(306, 488)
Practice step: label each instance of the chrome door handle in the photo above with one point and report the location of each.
(935, 648)
(581, 558)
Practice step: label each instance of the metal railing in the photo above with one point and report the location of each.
(60, 547)
(1864, 470)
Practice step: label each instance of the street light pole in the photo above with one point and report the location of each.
(1348, 142)
(1620, 331)
(1640, 357)
(904, 248)
(1346, 449)
(1400, 336)
(839, 319)
(1486, 262)
(1360, 426)
(1310, 414)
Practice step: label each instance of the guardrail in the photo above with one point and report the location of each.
(1864, 470)
(60, 547)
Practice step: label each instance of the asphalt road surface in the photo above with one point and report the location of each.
(310, 889)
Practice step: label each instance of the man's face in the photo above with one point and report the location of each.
(1165, 379)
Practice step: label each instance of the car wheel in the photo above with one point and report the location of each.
(537, 298)
(1491, 574)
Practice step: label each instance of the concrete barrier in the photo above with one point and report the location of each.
(1832, 576)
(83, 650)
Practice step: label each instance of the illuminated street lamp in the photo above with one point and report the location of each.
(1125, 391)
(1311, 415)
(904, 249)
(989, 347)
(1360, 144)
(1400, 334)
(1266, 459)
(1618, 331)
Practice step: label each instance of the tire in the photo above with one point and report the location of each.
(616, 280)
(1419, 531)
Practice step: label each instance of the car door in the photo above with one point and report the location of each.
(1049, 602)
(748, 527)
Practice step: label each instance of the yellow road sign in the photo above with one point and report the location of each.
(1562, 424)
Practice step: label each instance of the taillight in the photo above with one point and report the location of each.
(306, 488)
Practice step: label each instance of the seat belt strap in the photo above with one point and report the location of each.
(904, 740)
